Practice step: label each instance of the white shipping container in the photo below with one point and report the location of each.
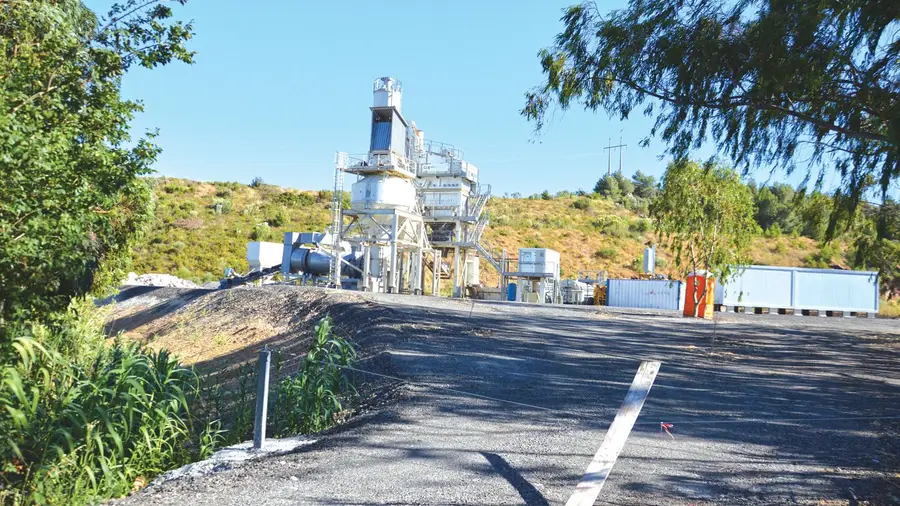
(799, 288)
(645, 294)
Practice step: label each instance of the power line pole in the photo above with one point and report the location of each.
(609, 153)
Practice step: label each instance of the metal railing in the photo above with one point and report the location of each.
(443, 149)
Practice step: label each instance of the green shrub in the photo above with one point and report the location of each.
(221, 206)
(175, 188)
(292, 199)
(257, 182)
(661, 263)
(615, 229)
(640, 226)
(545, 195)
(315, 399)
(637, 264)
(225, 193)
(279, 218)
(825, 257)
(582, 204)
(262, 232)
(606, 253)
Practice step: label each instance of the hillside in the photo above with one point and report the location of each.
(202, 228)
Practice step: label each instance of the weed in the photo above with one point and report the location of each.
(84, 425)
(314, 400)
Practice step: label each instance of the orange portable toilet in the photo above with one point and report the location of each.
(706, 302)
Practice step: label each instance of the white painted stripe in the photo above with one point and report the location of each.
(587, 491)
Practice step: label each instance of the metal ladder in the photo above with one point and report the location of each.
(340, 162)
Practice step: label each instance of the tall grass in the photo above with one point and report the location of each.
(315, 399)
(81, 420)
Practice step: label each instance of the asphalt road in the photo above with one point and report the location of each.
(766, 410)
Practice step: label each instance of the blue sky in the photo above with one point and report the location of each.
(279, 86)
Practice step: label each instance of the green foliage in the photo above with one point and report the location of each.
(257, 182)
(815, 215)
(614, 186)
(315, 399)
(81, 421)
(637, 205)
(295, 199)
(640, 226)
(606, 253)
(762, 80)
(545, 195)
(279, 218)
(221, 206)
(637, 264)
(829, 253)
(704, 215)
(776, 206)
(262, 232)
(608, 187)
(71, 198)
(582, 204)
(644, 185)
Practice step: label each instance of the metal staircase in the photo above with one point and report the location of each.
(493, 256)
(484, 194)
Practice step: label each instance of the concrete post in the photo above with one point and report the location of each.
(262, 398)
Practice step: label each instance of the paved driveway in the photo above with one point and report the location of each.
(760, 414)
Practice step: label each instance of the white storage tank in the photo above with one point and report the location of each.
(382, 191)
(473, 271)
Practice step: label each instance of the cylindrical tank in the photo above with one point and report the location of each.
(649, 260)
(383, 192)
(511, 292)
(473, 276)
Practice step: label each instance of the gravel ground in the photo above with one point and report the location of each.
(759, 406)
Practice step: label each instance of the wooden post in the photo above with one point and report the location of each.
(595, 476)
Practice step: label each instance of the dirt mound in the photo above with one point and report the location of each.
(215, 329)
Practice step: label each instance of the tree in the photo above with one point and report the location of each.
(764, 79)
(614, 186)
(71, 198)
(775, 206)
(704, 216)
(644, 185)
(814, 215)
(608, 186)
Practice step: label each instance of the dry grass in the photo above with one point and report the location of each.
(889, 309)
(190, 240)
